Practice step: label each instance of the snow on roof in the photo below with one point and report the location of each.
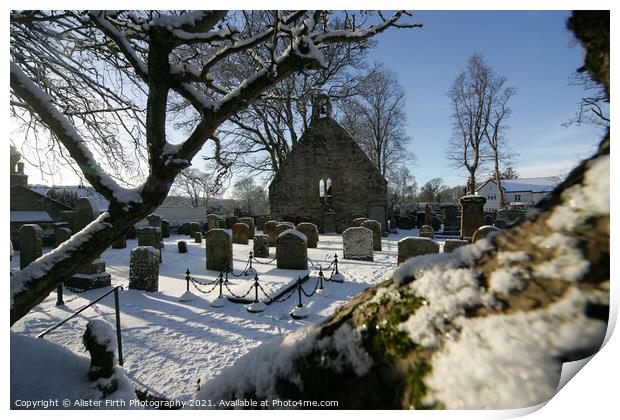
(98, 199)
(535, 185)
(30, 216)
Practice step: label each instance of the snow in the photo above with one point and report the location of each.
(168, 345)
(104, 334)
(568, 262)
(45, 373)
(294, 232)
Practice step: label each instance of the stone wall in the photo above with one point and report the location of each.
(327, 151)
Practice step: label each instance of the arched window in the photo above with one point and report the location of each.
(322, 191)
(328, 192)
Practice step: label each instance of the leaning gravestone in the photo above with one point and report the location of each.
(165, 228)
(93, 275)
(144, 269)
(412, 247)
(269, 229)
(292, 250)
(182, 245)
(250, 222)
(241, 233)
(483, 231)
(357, 244)
(219, 250)
(311, 231)
(375, 227)
(451, 244)
(61, 235)
(198, 237)
(30, 244)
(213, 221)
(472, 214)
(261, 246)
(358, 222)
(427, 232)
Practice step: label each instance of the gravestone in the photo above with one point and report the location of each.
(93, 275)
(261, 246)
(221, 222)
(61, 235)
(120, 243)
(420, 219)
(30, 244)
(241, 233)
(450, 215)
(483, 231)
(192, 228)
(184, 229)
(269, 229)
(427, 232)
(311, 231)
(358, 222)
(281, 227)
(428, 215)
(219, 250)
(198, 237)
(451, 244)
(144, 269)
(150, 236)
(154, 220)
(375, 227)
(165, 228)
(472, 214)
(329, 222)
(213, 221)
(250, 222)
(292, 250)
(404, 222)
(378, 213)
(230, 221)
(182, 246)
(357, 244)
(436, 223)
(410, 247)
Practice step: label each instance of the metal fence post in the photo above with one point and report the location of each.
(118, 327)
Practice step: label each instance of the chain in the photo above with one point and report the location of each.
(317, 268)
(262, 262)
(242, 273)
(195, 283)
(284, 299)
(237, 296)
(316, 286)
(204, 284)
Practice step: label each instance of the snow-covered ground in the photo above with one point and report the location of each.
(168, 344)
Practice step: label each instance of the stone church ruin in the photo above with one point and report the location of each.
(327, 179)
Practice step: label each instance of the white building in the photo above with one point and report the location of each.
(522, 192)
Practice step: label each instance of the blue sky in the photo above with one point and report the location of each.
(531, 48)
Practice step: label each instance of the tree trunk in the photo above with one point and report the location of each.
(498, 181)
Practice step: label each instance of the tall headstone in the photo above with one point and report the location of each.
(375, 227)
(250, 222)
(144, 269)
(357, 244)
(30, 244)
(192, 228)
(269, 229)
(292, 250)
(261, 246)
(472, 214)
(241, 233)
(428, 215)
(213, 221)
(165, 228)
(329, 222)
(93, 275)
(311, 231)
(219, 250)
(420, 219)
(411, 246)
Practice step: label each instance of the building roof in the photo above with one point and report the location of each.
(535, 185)
(30, 216)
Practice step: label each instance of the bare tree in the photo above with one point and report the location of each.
(252, 197)
(67, 69)
(478, 99)
(376, 119)
(431, 191)
(593, 108)
(199, 186)
(402, 186)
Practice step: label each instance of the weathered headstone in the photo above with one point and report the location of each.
(198, 237)
(150, 236)
(165, 228)
(311, 231)
(219, 250)
(292, 250)
(241, 233)
(357, 244)
(472, 214)
(412, 247)
(250, 222)
(144, 269)
(182, 246)
(451, 244)
(358, 222)
(261, 246)
(427, 232)
(61, 235)
(30, 244)
(213, 221)
(269, 228)
(483, 231)
(375, 227)
(120, 243)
